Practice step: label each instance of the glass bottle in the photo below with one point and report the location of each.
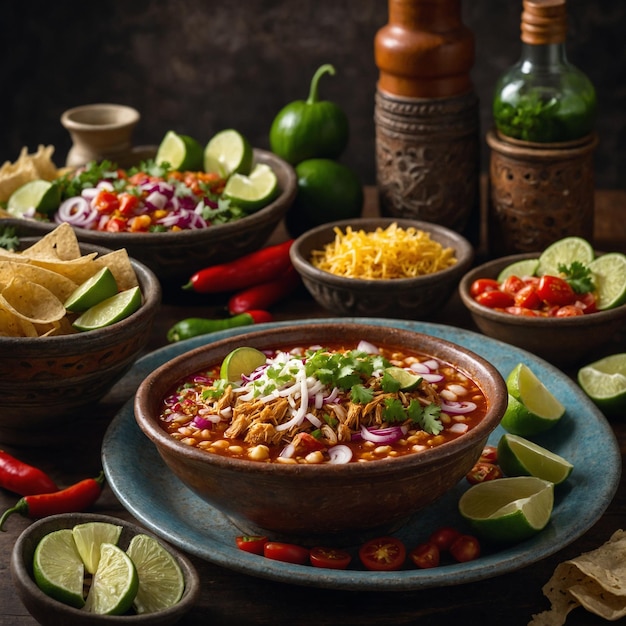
(543, 98)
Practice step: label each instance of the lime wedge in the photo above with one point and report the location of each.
(609, 276)
(100, 286)
(40, 195)
(252, 192)
(521, 269)
(228, 152)
(604, 381)
(407, 380)
(532, 408)
(508, 510)
(58, 569)
(241, 362)
(161, 581)
(89, 537)
(115, 583)
(182, 152)
(111, 310)
(564, 252)
(519, 457)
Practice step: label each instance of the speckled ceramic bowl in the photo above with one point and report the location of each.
(313, 502)
(48, 611)
(175, 256)
(565, 342)
(45, 382)
(409, 298)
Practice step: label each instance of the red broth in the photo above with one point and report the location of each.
(351, 412)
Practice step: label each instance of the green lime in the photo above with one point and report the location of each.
(609, 277)
(564, 252)
(58, 569)
(508, 510)
(100, 286)
(182, 152)
(111, 310)
(40, 195)
(604, 381)
(254, 191)
(241, 362)
(408, 380)
(228, 152)
(161, 581)
(519, 457)
(327, 191)
(532, 408)
(89, 537)
(521, 269)
(115, 583)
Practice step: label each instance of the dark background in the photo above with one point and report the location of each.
(198, 66)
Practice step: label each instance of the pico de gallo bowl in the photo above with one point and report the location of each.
(309, 497)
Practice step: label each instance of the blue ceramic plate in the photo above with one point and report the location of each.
(153, 495)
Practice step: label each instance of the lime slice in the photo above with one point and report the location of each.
(564, 252)
(40, 195)
(115, 583)
(609, 277)
(252, 192)
(521, 269)
(228, 152)
(111, 310)
(519, 457)
(100, 286)
(161, 581)
(182, 152)
(58, 569)
(407, 380)
(604, 381)
(89, 537)
(508, 510)
(241, 362)
(532, 408)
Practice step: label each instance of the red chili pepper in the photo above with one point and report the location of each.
(264, 295)
(250, 269)
(23, 479)
(75, 498)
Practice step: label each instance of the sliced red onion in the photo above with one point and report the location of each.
(202, 422)
(382, 435)
(339, 454)
(366, 346)
(458, 407)
(432, 364)
(77, 211)
(156, 200)
(432, 378)
(419, 368)
(288, 451)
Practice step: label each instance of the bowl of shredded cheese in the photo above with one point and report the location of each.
(382, 267)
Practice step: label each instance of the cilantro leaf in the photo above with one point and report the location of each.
(394, 411)
(8, 239)
(388, 383)
(360, 394)
(578, 275)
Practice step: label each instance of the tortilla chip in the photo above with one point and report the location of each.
(595, 580)
(78, 270)
(119, 263)
(61, 244)
(31, 302)
(61, 286)
(27, 167)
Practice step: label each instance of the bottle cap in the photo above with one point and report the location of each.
(544, 22)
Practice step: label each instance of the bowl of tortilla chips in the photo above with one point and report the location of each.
(50, 371)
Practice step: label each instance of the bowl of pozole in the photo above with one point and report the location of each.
(324, 429)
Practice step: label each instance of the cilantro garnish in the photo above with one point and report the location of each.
(578, 275)
(427, 418)
(360, 394)
(8, 239)
(343, 370)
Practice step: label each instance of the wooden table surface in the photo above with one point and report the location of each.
(231, 598)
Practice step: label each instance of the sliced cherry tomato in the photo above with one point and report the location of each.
(481, 285)
(520, 310)
(444, 537)
(528, 298)
(482, 472)
(383, 554)
(512, 284)
(489, 454)
(465, 548)
(495, 299)
(554, 290)
(305, 443)
(251, 543)
(106, 202)
(588, 301)
(569, 310)
(286, 552)
(426, 555)
(128, 203)
(115, 225)
(331, 558)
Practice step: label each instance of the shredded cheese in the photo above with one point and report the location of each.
(383, 254)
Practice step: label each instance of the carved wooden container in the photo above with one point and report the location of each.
(427, 157)
(539, 193)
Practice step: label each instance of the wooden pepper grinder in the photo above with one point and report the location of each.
(427, 116)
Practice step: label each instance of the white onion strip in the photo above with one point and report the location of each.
(458, 407)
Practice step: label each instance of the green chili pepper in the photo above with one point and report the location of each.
(194, 326)
(310, 129)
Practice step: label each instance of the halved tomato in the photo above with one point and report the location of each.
(330, 558)
(383, 554)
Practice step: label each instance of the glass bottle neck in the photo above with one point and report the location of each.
(543, 56)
